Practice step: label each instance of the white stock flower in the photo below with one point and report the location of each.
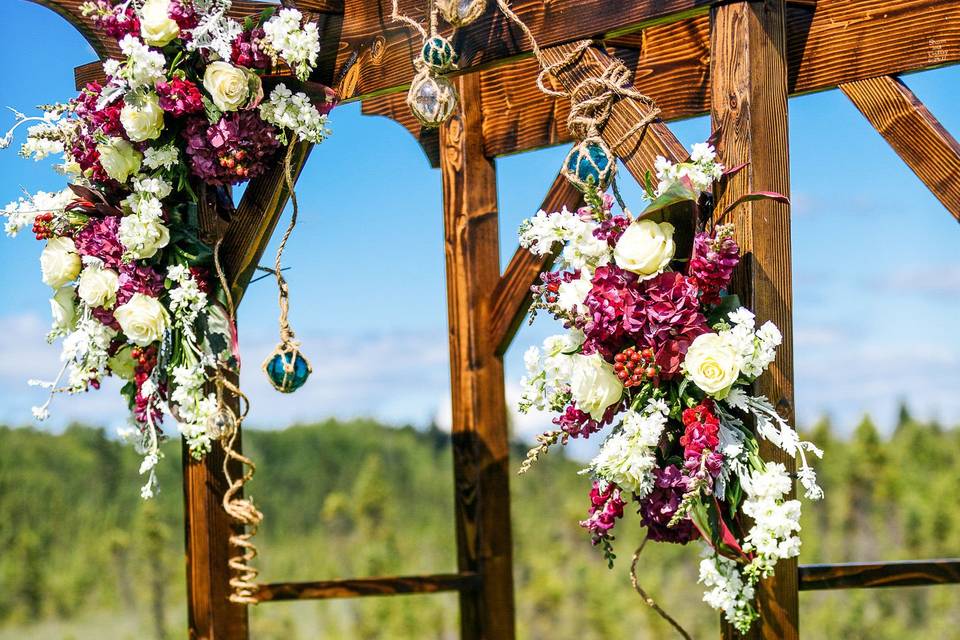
(297, 46)
(98, 287)
(296, 113)
(166, 157)
(142, 118)
(143, 234)
(645, 248)
(143, 319)
(571, 295)
(59, 262)
(156, 26)
(229, 86)
(541, 232)
(594, 385)
(712, 364)
(143, 67)
(727, 590)
(628, 457)
(119, 159)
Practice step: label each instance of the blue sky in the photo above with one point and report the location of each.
(876, 267)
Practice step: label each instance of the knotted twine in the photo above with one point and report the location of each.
(591, 105)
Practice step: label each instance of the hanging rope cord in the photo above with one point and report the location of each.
(432, 11)
(242, 510)
(286, 333)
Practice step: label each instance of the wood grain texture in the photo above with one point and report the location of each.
(842, 41)
(511, 299)
(365, 587)
(873, 575)
(913, 132)
(749, 106)
(479, 418)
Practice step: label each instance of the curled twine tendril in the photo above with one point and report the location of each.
(592, 100)
(650, 602)
(242, 510)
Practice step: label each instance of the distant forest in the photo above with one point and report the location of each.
(84, 557)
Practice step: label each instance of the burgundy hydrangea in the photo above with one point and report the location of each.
(231, 151)
(610, 229)
(179, 96)
(614, 291)
(105, 317)
(712, 263)
(666, 317)
(118, 21)
(606, 507)
(247, 51)
(660, 505)
(577, 423)
(136, 278)
(105, 120)
(100, 239)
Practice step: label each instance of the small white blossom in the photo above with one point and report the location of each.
(166, 157)
(287, 40)
(294, 112)
(144, 66)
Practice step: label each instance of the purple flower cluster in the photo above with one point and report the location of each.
(661, 504)
(231, 151)
(667, 319)
(184, 14)
(100, 239)
(94, 123)
(714, 258)
(578, 424)
(179, 96)
(116, 22)
(136, 278)
(248, 52)
(614, 292)
(606, 507)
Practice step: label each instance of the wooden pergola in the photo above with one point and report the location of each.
(739, 61)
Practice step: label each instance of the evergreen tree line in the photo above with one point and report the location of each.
(82, 556)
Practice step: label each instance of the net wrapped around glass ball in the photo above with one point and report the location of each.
(438, 54)
(222, 424)
(590, 164)
(287, 370)
(431, 98)
(461, 12)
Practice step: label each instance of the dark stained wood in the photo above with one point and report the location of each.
(913, 132)
(363, 587)
(511, 299)
(873, 575)
(479, 425)
(842, 41)
(749, 105)
(388, 47)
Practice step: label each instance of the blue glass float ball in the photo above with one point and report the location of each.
(438, 54)
(589, 164)
(283, 376)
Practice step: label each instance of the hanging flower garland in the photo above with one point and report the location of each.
(194, 106)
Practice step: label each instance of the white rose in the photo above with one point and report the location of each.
(63, 308)
(119, 159)
(143, 235)
(156, 26)
(712, 364)
(144, 120)
(59, 262)
(98, 287)
(645, 248)
(229, 87)
(143, 319)
(594, 385)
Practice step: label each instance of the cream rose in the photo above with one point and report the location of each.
(645, 248)
(63, 308)
(119, 159)
(229, 87)
(143, 319)
(594, 385)
(143, 121)
(98, 287)
(59, 262)
(156, 26)
(712, 364)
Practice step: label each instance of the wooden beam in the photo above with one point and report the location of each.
(913, 132)
(479, 425)
(842, 41)
(388, 48)
(872, 575)
(511, 299)
(364, 587)
(749, 106)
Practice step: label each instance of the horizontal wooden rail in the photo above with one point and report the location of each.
(361, 587)
(873, 575)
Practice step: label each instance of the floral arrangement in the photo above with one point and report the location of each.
(661, 357)
(181, 117)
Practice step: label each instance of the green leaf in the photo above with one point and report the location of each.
(728, 304)
(677, 193)
(757, 195)
(213, 113)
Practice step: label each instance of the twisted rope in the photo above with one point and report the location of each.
(286, 333)
(650, 602)
(242, 510)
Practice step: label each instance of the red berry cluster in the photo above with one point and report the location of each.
(635, 367)
(234, 162)
(146, 358)
(550, 292)
(42, 227)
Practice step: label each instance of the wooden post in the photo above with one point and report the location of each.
(480, 442)
(749, 104)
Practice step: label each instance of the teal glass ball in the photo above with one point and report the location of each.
(438, 54)
(589, 164)
(287, 371)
